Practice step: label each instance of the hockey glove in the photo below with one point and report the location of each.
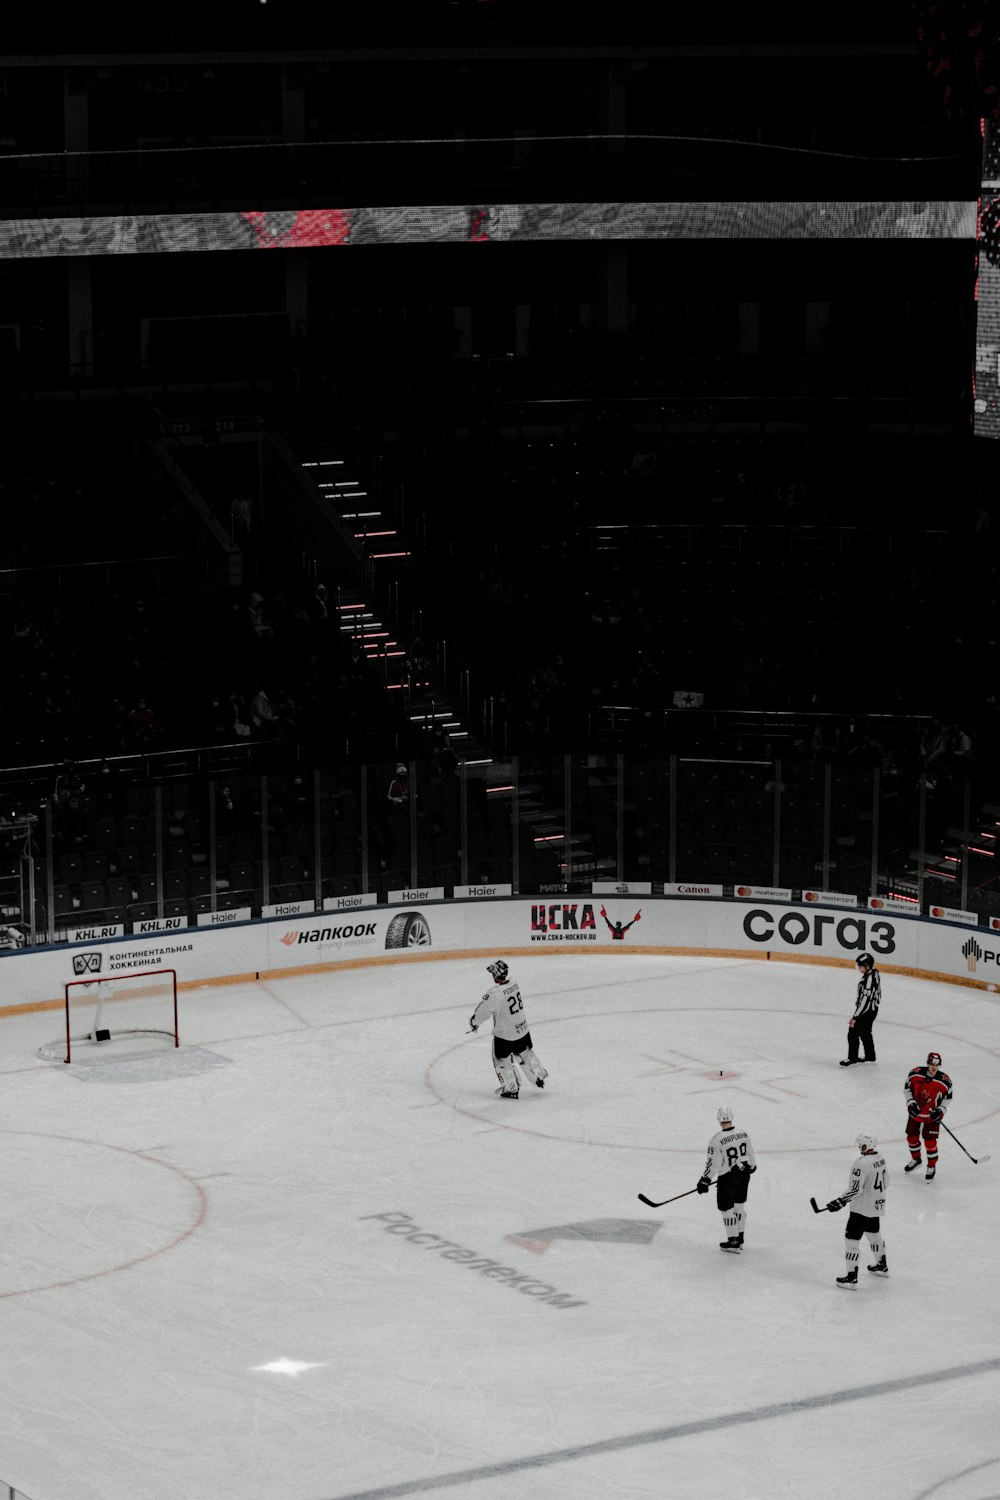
(746, 1167)
(834, 1205)
(913, 1108)
(936, 1115)
(703, 1184)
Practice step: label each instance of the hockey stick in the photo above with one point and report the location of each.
(817, 1209)
(650, 1204)
(974, 1159)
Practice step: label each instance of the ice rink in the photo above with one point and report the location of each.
(311, 1256)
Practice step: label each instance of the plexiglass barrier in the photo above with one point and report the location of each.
(117, 855)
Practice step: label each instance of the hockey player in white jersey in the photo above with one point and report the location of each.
(731, 1162)
(511, 1037)
(866, 1195)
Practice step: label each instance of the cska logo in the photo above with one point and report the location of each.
(562, 917)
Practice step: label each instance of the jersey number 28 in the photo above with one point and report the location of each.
(515, 1003)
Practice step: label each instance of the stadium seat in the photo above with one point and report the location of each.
(93, 896)
(290, 893)
(177, 856)
(106, 834)
(96, 866)
(241, 876)
(70, 868)
(292, 870)
(128, 861)
(130, 830)
(63, 900)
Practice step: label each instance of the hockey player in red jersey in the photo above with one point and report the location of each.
(928, 1094)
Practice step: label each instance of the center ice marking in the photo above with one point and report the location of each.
(696, 1068)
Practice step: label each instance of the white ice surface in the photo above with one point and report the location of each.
(164, 1236)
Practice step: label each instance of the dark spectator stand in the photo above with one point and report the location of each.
(675, 537)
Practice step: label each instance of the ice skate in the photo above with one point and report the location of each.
(879, 1268)
(851, 1279)
(506, 1093)
(911, 1166)
(848, 1062)
(732, 1244)
(929, 1174)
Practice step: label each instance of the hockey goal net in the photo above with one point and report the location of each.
(119, 1008)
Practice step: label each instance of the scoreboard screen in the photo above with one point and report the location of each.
(139, 234)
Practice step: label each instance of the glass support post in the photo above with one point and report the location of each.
(620, 818)
(876, 799)
(212, 853)
(966, 838)
(414, 873)
(567, 821)
(50, 880)
(827, 822)
(364, 830)
(776, 860)
(265, 880)
(317, 845)
(672, 855)
(515, 847)
(463, 824)
(921, 838)
(158, 813)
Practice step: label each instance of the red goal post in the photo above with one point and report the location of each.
(148, 1001)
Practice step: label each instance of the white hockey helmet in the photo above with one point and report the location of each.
(866, 1143)
(498, 969)
(724, 1114)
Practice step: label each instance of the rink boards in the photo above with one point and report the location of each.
(433, 928)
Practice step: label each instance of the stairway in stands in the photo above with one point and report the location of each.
(942, 865)
(368, 614)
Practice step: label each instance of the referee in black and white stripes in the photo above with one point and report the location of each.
(859, 1027)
